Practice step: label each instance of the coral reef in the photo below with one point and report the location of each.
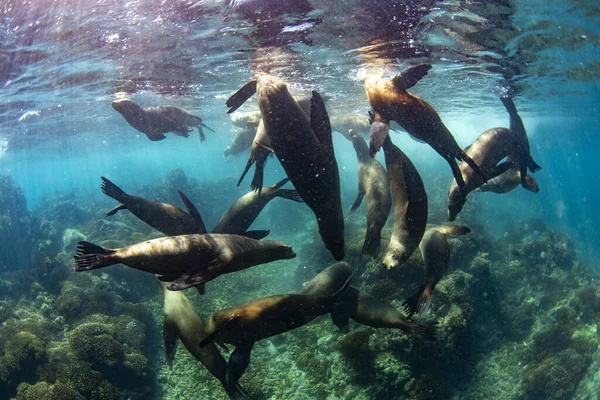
(15, 246)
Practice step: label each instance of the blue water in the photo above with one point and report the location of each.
(64, 61)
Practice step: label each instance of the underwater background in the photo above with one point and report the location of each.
(518, 309)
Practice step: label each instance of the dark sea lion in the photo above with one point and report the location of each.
(163, 217)
(156, 121)
(304, 147)
(182, 321)
(508, 181)
(373, 183)
(259, 319)
(362, 307)
(516, 124)
(436, 257)
(238, 218)
(491, 147)
(261, 150)
(391, 101)
(186, 260)
(410, 206)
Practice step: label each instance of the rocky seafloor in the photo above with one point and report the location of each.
(518, 315)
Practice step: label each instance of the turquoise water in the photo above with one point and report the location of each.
(521, 293)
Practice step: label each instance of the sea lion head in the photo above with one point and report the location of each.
(329, 280)
(531, 184)
(126, 106)
(285, 252)
(456, 201)
(391, 259)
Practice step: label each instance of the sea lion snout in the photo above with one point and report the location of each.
(390, 260)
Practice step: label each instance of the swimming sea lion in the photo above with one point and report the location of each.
(488, 150)
(185, 260)
(182, 321)
(156, 121)
(304, 148)
(436, 257)
(163, 217)
(362, 307)
(516, 124)
(374, 183)
(242, 139)
(391, 101)
(410, 206)
(238, 218)
(345, 122)
(507, 181)
(259, 319)
(261, 150)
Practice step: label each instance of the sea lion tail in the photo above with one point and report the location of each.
(419, 302)
(91, 256)
(290, 194)
(454, 230)
(424, 329)
(112, 190)
(372, 242)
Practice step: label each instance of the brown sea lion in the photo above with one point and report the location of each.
(391, 101)
(242, 140)
(186, 260)
(238, 218)
(491, 147)
(163, 217)
(259, 319)
(345, 122)
(304, 147)
(410, 206)
(516, 124)
(261, 150)
(373, 183)
(182, 321)
(156, 121)
(362, 307)
(508, 181)
(436, 257)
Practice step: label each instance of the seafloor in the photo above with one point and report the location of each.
(518, 315)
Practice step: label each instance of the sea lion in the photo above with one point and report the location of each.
(156, 121)
(163, 217)
(304, 147)
(238, 218)
(345, 122)
(410, 206)
(261, 150)
(436, 257)
(516, 124)
(242, 140)
(182, 321)
(391, 101)
(259, 319)
(491, 147)
(362, 307)
(373, 183)
(186, 260)
(509, 180)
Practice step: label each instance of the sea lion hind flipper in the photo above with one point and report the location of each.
(111, 190)
(201, 133)
(290, 194)
(206, 126)
(424, 329)
(91, 256)
(238, 363)
(378, 134)
(170, 340)
(257, 234)
(238, 98)
(410, 76)
(419, 302)
(319, 121)
(116, 209)
(356, 204)
(246, 169)
(280, 183)
(372, 242)
(193, 211)
(340, 316)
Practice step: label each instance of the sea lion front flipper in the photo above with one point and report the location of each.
(193, 211)
(502, 168)
(319, 121)
(238, 98)
(372, 242)
(340, 316)
(201, 133)
(257, 234)
(424, 329)
(170, 340)
(356, 204)
(410, 76)
(238, 363)
(156, 138)
(206, 126)
(116, 209)
(378, 133)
